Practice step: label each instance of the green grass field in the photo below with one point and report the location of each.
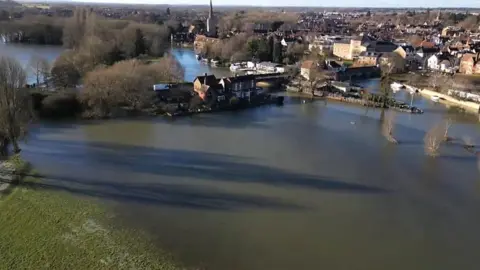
(41, 229)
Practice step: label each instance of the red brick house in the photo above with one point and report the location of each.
(468, 63)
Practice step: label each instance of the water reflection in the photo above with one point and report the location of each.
(194, 68)
(23, 53)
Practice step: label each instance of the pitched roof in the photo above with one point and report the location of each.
(308, 64)
(408, 48)
(427, 44)
(241, 78)
(381, 46)
(428, 50)
(207, 79)
(468, 57)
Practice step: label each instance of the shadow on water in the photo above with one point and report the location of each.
(256, 118)
(122, 160)
(161, 194)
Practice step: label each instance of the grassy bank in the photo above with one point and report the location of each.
(45, 229)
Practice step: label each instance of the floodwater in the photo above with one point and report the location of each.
(309, 185)
(193, 67)
(23, 53)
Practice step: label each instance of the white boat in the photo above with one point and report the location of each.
(396, 86)
(235, 67)
(411, 89)
(435, 98)
(214, 63)
(198, 56)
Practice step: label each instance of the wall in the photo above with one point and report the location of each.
(364, 61)
(356, 48)
(342, 50)
(358, 73)
(305, 72)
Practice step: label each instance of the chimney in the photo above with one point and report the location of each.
(205, 78)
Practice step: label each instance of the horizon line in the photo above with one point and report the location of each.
(235, 5)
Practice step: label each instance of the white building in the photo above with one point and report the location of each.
(433, 62)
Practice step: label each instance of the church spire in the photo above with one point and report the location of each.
(210, 14)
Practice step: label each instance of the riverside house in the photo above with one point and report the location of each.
(241, 87)
(205, 85)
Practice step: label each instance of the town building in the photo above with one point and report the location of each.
(208, 87)
(204, 85)
(366, 59)
(239, 86)
(307, 70)
(468, 64)
(348, 49)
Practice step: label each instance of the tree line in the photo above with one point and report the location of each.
(33, 29)
(108, 91)
(245, 47)
(94, 41)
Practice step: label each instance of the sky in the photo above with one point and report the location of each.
(317, 3)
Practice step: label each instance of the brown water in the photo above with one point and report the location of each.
(303, 186)
(293, 187)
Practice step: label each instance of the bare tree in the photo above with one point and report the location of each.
(433, 139)
(74, 28)
(314, 77)
(434, 80)
(40, 68)
(440, 82)
(64, 72)
(387, 66)
(388, 126)
(446, 84)
(448, 124)
(126, 85)
(15, 106)
(413, 79)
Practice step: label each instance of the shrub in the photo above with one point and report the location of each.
(60, 105)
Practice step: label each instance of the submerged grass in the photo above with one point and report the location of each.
(42, 229)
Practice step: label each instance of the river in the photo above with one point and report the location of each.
(309, 185)
(23, 53)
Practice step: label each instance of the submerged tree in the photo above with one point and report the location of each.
(433, 138)
(448, 124)
(385, 89)
(388, 126)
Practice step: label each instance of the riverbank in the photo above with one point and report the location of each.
(44, 227)
(470, 107)
(359, 98)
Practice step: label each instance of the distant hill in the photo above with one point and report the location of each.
(8, 4)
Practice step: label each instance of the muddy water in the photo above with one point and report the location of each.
(303, 186)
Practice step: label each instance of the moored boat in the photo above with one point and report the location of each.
(397, 86)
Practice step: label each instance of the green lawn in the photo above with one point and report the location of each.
(42, 229)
